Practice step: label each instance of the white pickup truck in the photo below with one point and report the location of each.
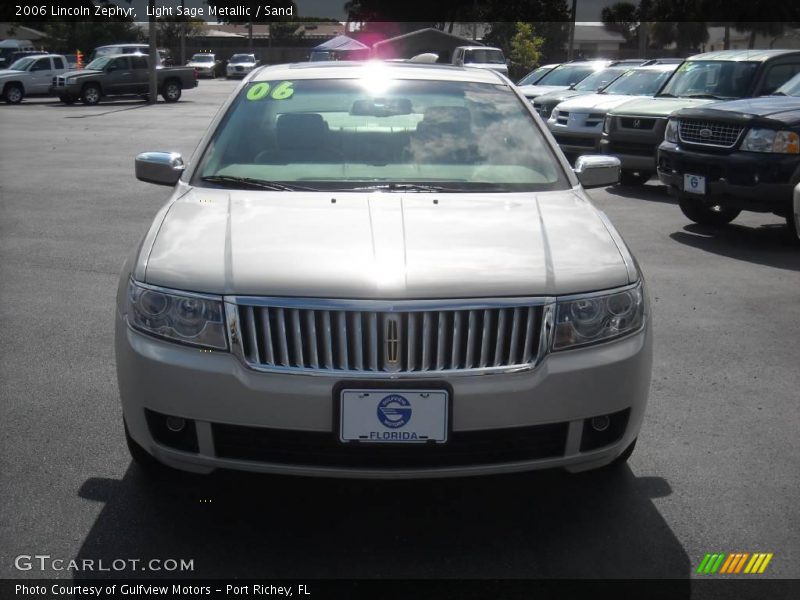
(31, 76)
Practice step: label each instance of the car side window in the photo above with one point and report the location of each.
(120, 63)
(58, 62)
(777, 75)
(139, 62)
(43, 64)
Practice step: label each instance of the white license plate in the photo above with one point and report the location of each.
(393, 416)
(694, 184)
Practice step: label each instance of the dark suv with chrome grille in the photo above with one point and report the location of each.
(633, 131)
(733, 156)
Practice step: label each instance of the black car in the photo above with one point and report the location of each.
(727, 157)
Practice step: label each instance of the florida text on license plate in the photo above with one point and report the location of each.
(405, 416)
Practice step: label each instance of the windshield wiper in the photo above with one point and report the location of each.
(407, 187)
(262, 184)
(709, 96)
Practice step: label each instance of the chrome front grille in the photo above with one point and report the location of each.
(421, 338)
(709, 133)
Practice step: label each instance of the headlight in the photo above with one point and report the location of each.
(598, 317)
(189, 318)
(671, 131)
(606, 124)
(553, 115)
(770, 140)
(70, 80)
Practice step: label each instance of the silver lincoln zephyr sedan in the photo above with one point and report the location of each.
(382, 270)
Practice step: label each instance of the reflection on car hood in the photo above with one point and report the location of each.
(382, 245)
(596, 102)
(782, 108)
(659, 107)
(79, 72)
(532, 91)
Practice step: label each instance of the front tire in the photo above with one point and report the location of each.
(13, 93)
(90, 94)
(171, 92)
(703, 214)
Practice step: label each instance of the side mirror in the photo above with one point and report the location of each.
(597, 170)
(161, 168)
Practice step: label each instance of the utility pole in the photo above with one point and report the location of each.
(183, 36)
(153, 89)
(571, 46)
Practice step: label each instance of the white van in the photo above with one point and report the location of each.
(482, 57)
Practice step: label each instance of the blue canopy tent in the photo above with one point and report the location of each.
(340, 48)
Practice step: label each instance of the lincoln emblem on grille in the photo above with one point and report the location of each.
(392, 344)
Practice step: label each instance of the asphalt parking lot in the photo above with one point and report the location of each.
(715, 470)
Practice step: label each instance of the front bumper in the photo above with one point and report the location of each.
(576, 141)
(238, 71)
(753, 181)
(223, 397)
(635, 148)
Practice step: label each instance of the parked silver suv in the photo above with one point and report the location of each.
(380, 270)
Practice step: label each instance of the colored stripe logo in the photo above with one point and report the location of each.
(734, 563)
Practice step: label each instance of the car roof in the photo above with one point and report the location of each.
(479, 48)
(393, 70)
(742, 55)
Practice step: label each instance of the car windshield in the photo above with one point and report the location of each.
(242, 58)
(22, 63)
(534, 76)
(600, 79)
(494, 57)
(567, 75)
(638, 83)
(790, 88)
(379, 133)
(98, 64)
(202, 58)
(716, 79)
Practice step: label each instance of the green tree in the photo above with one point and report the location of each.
(168, 31)
(680, 22)
(622, 18)
(548, 18)
(525, 49)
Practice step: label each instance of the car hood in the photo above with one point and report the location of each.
(80, 72)
(533, 91)
(200, 64)
(383, 245)
(490, 66)
(784, 109)
(12, 73)
(559, 96)
(659, 107)
(596, 102)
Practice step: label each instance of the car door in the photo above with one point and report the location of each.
(119, 76)
(40, 76)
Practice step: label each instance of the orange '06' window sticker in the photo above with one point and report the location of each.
(282, 91)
